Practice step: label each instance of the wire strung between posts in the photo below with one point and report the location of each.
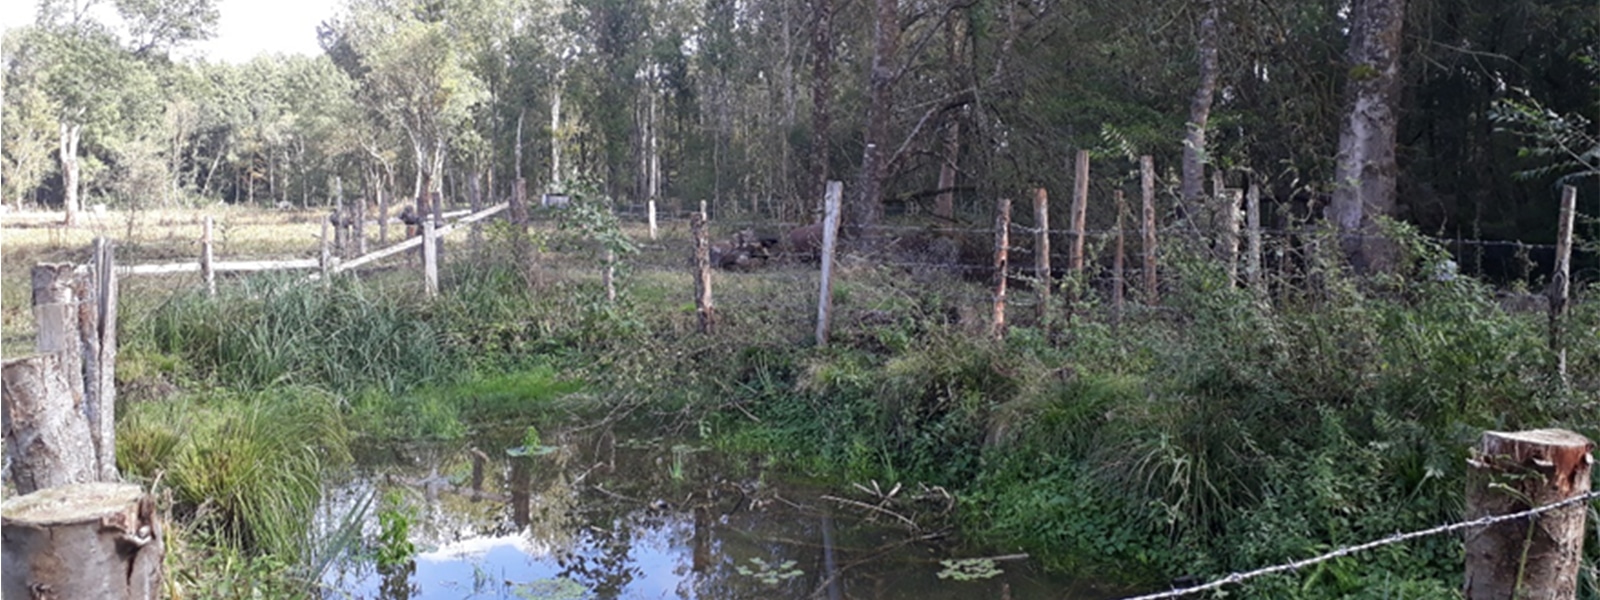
(1348, 550)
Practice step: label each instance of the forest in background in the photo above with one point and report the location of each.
(921, 106)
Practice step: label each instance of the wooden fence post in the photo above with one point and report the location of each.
(1147, 190)
(1080, 211)
(361, 227)
(1041, 249)
(90, 540)
(1535, 557)
(325, 256)
(830, 244)
(430, 258)
(103, 379)
(1002, 244)
(521, 246)
(1252, 259)
(702, 273)
(651, 207)
(1228, 202)
(383, 211)
(1561, 283)
(208, 269)
(609, 276)
(341, 236)
(1117, 262)
(59, 412)
(475, 200)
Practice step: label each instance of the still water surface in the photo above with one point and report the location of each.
(650, 518)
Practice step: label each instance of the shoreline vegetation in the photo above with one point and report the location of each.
(1220, 431)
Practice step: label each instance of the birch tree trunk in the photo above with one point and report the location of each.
(1194, 143)
(1365, 170)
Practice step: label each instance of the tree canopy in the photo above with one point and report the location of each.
(748, 105)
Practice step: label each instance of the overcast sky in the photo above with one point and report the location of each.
(248, 27)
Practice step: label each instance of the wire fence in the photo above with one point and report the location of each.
(1244, 576)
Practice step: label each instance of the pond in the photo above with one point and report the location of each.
(599, 515)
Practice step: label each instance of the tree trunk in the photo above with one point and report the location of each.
(92, 540)
(71, 134)
(944, 205)
(1194, 144)
(821, 98)
(555, 140)
(868, 210)
(1365, 170)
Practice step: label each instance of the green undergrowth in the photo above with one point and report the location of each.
(1222, 434)
(1221, 431)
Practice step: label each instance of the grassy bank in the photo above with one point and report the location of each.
(1216, 432)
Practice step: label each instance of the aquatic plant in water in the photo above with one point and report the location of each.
(968, 569)
(770, 574)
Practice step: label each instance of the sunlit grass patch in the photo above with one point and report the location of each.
(254, 461)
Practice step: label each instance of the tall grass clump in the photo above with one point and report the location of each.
(274, 331)
(249, 464)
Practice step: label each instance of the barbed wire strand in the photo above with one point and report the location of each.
(1348, 550)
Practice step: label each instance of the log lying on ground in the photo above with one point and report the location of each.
(89, 540)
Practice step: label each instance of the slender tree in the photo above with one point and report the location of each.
(867, 211)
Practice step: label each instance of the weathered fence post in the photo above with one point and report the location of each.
(59, 409)
(521, 246)
(208, 269)
(609, 275)
(102, 380)
(830, 244)
(325, 256)
(651, 208)
(1147, 190)
(89, 540)
(1252, 259)
(475, 200)
(1080, 211)
(430, 258)
(1002, 245)
(1117, 262)
(383, 211)
(341, 236)
(1041, 249)
(1228, 202)
(1561, 283)
(702, 273)
(361, 227)
(1534, 557)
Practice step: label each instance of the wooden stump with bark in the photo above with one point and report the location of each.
(88, 540)
(1536, 557)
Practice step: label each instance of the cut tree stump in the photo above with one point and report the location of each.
(89, 540)
(46, 435)
(1536, 557)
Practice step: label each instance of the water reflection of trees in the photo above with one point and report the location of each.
(607, 517)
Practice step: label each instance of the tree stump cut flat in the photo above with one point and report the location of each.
(1535, 558)
(81, 541)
